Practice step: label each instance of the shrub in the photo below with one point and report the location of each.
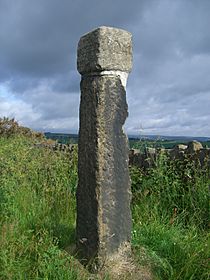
(10, 127)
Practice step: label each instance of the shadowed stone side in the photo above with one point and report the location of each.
(103, 193)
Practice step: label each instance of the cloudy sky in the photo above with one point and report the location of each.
(168, 91)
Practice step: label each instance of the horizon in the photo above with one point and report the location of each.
(135, 135)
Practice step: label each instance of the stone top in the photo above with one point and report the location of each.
(104, 49)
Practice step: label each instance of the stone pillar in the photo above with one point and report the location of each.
(103, 229)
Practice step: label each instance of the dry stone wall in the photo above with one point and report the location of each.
(193, 151)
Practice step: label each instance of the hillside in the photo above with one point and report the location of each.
(37, 216)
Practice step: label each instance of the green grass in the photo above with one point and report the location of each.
(37, 212)
(37, 216)
(170, 219)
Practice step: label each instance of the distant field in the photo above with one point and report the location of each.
(167, 144)
(62, 138)
(133, 142)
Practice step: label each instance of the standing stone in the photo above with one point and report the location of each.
(103, 227)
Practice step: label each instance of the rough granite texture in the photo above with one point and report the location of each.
(103, 229)
(105, 48)
(103, 193)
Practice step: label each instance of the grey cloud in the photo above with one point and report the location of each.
(44, 34)
(67, 83)
(39, 38)
(168, 89)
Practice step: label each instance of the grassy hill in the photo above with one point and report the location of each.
(37, 216)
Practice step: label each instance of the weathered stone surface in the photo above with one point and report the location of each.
(105, 48)
(103, 193)
(178, 151)
(204, 157)
(193, 147)
(192, 151)
(179, 147)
